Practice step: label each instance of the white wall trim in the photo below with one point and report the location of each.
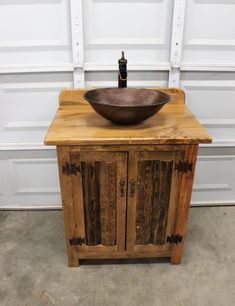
(219, 143)
(23, 161)
(187, 66)
(12, 125)
(25, 146)
(32, 207)
(205, 43)
(211, 187)
(10, 2)
(126, 42)
(130, 83)
(177, 42)
(76, 10)
(212, 203)
(103, 66)
(64, 67)
(12, 87)
(41, 44)
(141, 66)
(43, 190)
(218, 122)
(215, 157)
(215, 84)
(126, 1)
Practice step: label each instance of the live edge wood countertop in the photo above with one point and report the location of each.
(76, 123)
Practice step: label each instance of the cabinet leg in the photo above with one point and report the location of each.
(177, 254)
(73, 262)
(72, 253)
(63, 154)
(175, 261)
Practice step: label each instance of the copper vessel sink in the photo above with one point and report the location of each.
(126, 105)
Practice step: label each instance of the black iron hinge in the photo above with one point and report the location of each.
(70, 169)
(77, 241)
(174, 239)
(184, 166)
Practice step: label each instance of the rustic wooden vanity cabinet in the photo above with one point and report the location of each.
(125, 189)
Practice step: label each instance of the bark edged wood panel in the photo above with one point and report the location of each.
(153, 197)
(91, 198)
(108, 202)
(99, 196)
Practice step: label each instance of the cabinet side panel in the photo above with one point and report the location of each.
(78, 199)
(184, 202)
(63, 154)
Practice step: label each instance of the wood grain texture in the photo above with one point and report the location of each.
(151, 213)
(153, 198)
(76, 123)
(174, 194)
(131, 203)
(161, 199)
(121, 200)
(108, 202)
(91, 198)
(144, 254)
(68, 205)
(184, 202)
(98, 208)
(144, 202)
(126, 148)
(78, 206)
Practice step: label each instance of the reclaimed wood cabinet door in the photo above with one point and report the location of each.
(153, 199)
(99, 200)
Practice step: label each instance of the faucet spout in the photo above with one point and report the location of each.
(122, 75)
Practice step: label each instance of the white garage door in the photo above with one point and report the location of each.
(48, 45)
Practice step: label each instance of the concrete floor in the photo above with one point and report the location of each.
(34, 272)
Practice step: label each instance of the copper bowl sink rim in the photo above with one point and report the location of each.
(165, 97)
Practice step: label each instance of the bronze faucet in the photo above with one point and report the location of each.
(122, 75)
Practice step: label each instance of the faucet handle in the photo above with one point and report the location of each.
(122, 59)
(122, 76)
